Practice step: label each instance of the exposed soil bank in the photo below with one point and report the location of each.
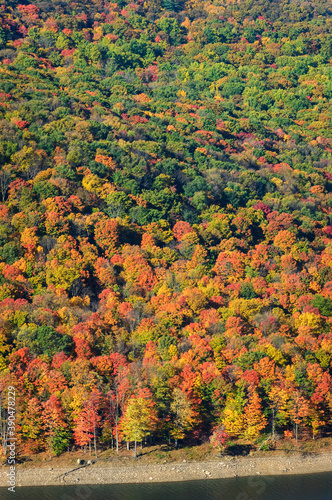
(112, 473)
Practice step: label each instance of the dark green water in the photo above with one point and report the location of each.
(306, 487)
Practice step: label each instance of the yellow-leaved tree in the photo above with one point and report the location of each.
(233, 418)
(139, 419)
(183, 415)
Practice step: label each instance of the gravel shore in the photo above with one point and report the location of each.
(112, 473)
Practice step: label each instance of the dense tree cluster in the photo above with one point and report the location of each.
(166, 220)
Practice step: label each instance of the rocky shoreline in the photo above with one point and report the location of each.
(226, 467)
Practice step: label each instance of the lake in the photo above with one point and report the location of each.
(304, 487)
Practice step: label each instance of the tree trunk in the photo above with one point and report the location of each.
(296, 431)
(4, 430)
(176, 443)
(273, 425)
(135, 455)
(90, 448)
(4, 183)
(116, 427)
(128, 447)
(95, 441)
(50, 447)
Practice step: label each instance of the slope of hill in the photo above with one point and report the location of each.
(165, 221)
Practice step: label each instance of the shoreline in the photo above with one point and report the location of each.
(225, 467)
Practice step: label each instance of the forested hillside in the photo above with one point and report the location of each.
(166, 220)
